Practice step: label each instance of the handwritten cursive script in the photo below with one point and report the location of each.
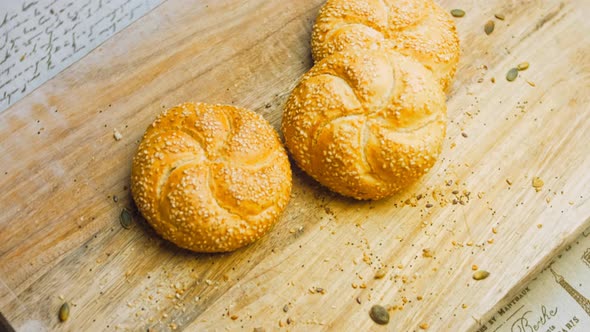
(524, 324)
(40, 38)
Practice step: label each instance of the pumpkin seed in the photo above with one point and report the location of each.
(480, 275)
(499, 16)
(489, 27)
(523, 66)
(512, 74)
(379, 314)
(458, 12)
(126, 219)
(64, 312)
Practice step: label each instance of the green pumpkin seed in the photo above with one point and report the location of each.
(126, 219)
(512, 74)
(458, 12)
(489, 27)
(64, 312)
(379, 314)
(480, 275)
(523, 66)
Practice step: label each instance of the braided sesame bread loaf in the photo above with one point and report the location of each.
(417, 28)
(366, 123)
(211, 178)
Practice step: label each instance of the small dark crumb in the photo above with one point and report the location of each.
(267, 105)
(285, 308)
(464, 134)
(358, 300)
(115, 198)
(429, 205)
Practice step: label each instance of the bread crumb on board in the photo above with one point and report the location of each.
(537, 183)
(117, 135)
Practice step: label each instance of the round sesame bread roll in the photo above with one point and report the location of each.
(417, 28)
(366, 123)
(211, 178)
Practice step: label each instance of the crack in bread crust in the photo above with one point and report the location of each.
(363, 138)
(163, 180)
(264, 163)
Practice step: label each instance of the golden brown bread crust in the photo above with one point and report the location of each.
(211, 178)
(366, 123)
(417, 28)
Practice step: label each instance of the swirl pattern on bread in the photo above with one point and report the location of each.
(366, 123)
(417, 28)
(211, 178)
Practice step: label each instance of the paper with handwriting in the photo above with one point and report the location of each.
(557, 300)
(40, 38)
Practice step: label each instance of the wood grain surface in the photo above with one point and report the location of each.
(60, 169)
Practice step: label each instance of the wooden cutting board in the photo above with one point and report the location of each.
(61, 239)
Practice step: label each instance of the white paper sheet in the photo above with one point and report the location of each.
(557, 300)
(39, 39)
